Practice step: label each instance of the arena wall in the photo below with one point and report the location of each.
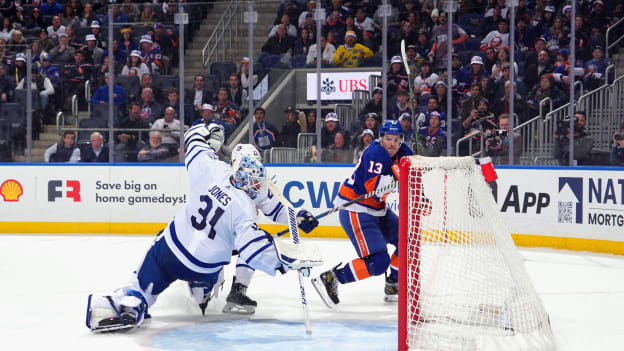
(576, 209)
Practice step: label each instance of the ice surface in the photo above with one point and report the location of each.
(46, 280)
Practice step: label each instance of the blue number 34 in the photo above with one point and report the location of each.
(203, 213)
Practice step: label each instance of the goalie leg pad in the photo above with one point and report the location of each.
(204, 291)
(115, 313)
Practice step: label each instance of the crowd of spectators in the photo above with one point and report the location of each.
(351, 36)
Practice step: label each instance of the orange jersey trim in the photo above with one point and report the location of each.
(359, 268)
(349, 193)
(394, 261)
(359, 236)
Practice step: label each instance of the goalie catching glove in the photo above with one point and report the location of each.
(211, 134)
(302, 256)
(306, 221)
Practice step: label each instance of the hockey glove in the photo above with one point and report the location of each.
(212, 134)
(306, 221)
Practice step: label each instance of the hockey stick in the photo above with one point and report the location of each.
(411, 94)
(294, 235)
(346, 204)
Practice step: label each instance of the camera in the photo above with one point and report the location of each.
(619, 136)
(563, 125)
(496, 136)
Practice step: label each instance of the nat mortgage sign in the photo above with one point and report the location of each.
(338, 85)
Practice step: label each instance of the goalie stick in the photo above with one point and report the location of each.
(343, 206)
(411, 94)
(294, 235)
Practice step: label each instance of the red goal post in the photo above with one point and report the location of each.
(462, 283)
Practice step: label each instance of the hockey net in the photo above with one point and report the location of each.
(463, 285)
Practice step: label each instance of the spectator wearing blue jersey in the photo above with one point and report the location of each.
(50, 71)
(471, 74)
(432, 138)
(101, 94)
(118, 16)
(595, 69)
(408, 131)
(207, 115)
(151, 55)
(264, 133)
(96, 151)
(51, 8)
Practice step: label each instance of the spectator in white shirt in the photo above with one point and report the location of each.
(170, 136)
(56, 29)
(290, 29)
(327, 56)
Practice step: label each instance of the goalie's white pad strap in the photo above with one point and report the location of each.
(297, 256)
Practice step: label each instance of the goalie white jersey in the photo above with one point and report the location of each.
(216, 219)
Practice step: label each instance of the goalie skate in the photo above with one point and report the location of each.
(326, 285)
(238, 302)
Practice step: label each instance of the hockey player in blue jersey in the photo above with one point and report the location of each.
(219, 216)
(369, 224)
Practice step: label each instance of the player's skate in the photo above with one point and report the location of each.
(105, 315)
(326, 285)
(237, 300)
(391, 290)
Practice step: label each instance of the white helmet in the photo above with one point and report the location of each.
(248, 175)
(248, 150)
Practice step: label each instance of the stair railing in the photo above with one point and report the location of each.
(225, 30)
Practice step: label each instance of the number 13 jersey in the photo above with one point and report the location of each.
(374, 170)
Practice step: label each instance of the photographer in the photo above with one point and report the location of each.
(617, 150)
(480, 118)
(583, 144)
(498, 142)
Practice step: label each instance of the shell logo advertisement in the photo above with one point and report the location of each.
(11, 190)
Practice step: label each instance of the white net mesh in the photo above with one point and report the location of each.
(467, 286)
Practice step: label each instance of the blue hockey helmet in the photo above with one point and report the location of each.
(391, 126)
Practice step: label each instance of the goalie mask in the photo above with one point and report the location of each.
(248, 175)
